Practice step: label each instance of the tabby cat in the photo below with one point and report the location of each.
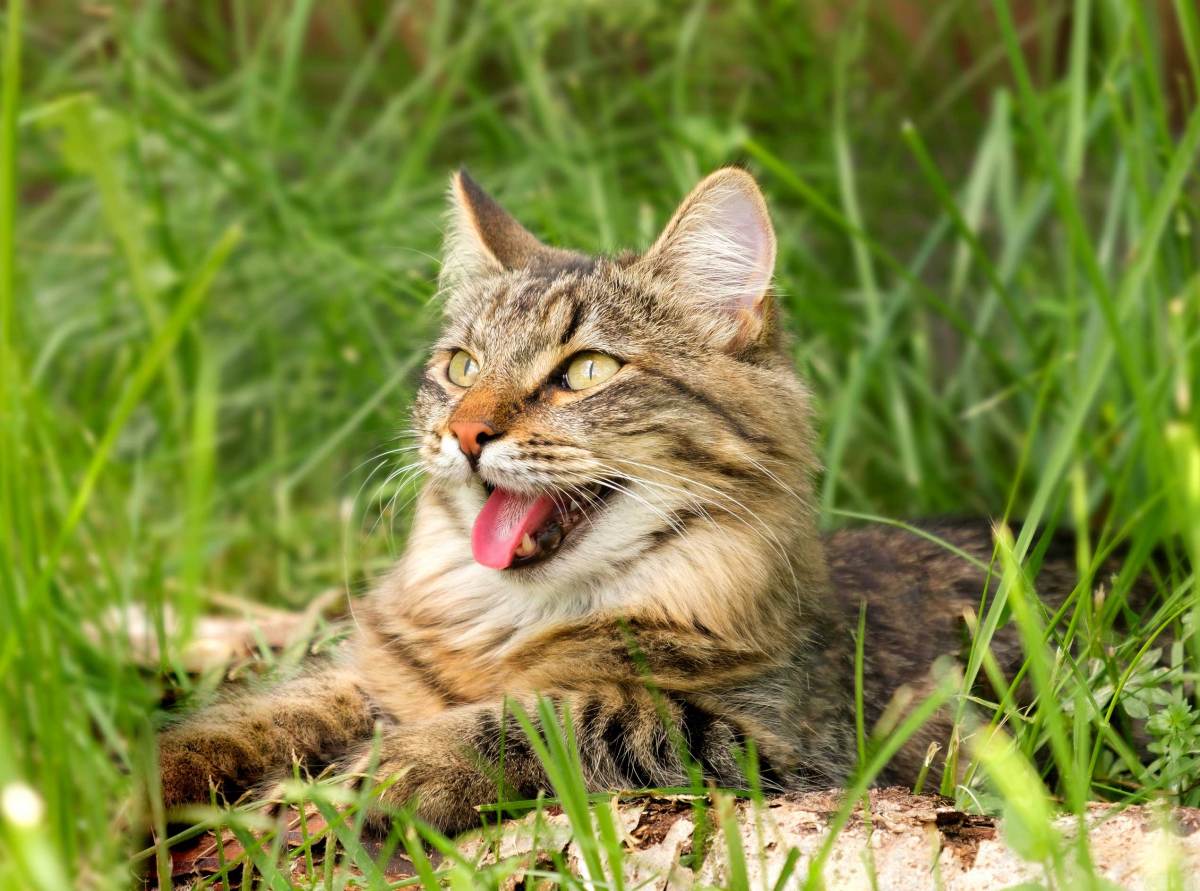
(619, 514)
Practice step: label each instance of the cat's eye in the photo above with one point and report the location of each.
(463, 369)
(590, 368)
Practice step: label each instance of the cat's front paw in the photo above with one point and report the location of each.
(191, 766)
(185, 776)
(437, 786)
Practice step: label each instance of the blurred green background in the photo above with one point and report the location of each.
(219, 237)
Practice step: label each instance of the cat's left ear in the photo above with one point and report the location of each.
(718, 250)
(483, 238)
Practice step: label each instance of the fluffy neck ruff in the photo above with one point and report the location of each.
(742, 580)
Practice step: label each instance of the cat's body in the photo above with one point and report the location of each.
(619, 516)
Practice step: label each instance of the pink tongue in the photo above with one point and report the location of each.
(504, 520)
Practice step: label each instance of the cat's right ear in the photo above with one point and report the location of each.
(482, 238)
(718, 252)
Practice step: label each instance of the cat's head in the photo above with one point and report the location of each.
(579, 413)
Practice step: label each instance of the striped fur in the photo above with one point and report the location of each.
(696, 609)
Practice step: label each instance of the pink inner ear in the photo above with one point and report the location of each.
(728, 246)
(720, 247)
(746, 228)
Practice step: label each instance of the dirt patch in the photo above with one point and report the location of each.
(1187, 821)
(657, 818)
(962, 833)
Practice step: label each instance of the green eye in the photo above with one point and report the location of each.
(463, 369)
(591, 368)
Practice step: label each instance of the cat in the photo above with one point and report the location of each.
(618, 514)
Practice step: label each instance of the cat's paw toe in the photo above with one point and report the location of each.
(433, 795)
(192, 766)
(186, 777)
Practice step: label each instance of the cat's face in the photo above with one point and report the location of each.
(577, 413)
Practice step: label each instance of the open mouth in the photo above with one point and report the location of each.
(515, 529)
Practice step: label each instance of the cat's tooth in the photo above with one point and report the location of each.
(526, 547)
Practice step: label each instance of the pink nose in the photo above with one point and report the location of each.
(471, 436)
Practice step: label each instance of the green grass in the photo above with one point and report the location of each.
(218, 235)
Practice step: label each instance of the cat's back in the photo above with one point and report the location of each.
(920, 582)
(931, 565)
